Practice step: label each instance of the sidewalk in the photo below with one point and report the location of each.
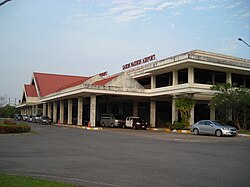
(187, 131)
(79, 127)
(151, 129)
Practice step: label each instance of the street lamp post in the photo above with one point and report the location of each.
(240, 39)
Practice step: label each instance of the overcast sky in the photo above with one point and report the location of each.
(86, 37)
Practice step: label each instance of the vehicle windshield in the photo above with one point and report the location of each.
(119, 117)
(137, 119)
(218, 123)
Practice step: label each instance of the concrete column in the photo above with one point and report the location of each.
(191, 121)
(135, 109)
(92, 110)
(190, 75)
(153, 82)
(54, 111)
(33, 110)
(174, 111)
(212, 112)
(229, 77)
(120, 108)
(70, 111)
(175, 77)
(80, 110)
(49, 110)
(44, 109)
(36, 109)
(61, 111)
(152, 113)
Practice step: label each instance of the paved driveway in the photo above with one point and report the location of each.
(125, 158)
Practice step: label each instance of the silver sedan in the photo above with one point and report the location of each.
(212, 127)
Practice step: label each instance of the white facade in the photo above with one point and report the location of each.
(149, 90)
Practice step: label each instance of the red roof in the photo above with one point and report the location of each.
(104, 81)
(72, 84)
(30, 90)
(51, 83)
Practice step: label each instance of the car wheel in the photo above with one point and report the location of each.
(112, 125)
(218, 133)
(196, 131)
(103, 124)
(134, 127)
(123, 126)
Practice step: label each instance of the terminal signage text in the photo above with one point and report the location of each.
(138, 62)
(103, 74)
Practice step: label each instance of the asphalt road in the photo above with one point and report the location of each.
(126, 158)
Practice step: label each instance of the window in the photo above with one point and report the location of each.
(203, 76)
(145, 82)
(202, 122)
(183, 76)
(240, 80)
(208, 123)
(163, 80)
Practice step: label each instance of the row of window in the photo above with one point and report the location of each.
(201, 76)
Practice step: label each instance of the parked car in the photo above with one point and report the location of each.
(35, 118)
(44, 120)
(135, 123)
(212, 127)
(25, 117)
(112, 120)
(18, 117)
(30, 117)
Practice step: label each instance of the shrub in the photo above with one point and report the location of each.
(7, 128)
(177, 126)
(9, 122)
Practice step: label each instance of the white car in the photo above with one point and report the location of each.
(212, 127)
(135, 122)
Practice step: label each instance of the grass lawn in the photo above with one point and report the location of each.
(22, 181)
(244, 131)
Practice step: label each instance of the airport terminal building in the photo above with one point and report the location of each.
(147, 88)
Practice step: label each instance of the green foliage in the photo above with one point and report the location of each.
(8, 111)
(177, 126)
(11, 128)
(9, 122)
(232, 102)
(185, 105)
(23, 181)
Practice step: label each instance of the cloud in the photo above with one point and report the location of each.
(234, 5)
(208, 7)
(122, 11)
(246, 15)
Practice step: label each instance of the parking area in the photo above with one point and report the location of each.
(124, 157)
(174, 136)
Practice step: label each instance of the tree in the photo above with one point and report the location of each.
(8, 111)
(185, 105)
(3, 101)
(232, 103)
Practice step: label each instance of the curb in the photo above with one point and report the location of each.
(151, 129)
(168, 130)
(79, 127)
(244, 135)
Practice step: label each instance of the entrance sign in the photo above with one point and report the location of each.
(138, 62)
(103, 74)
